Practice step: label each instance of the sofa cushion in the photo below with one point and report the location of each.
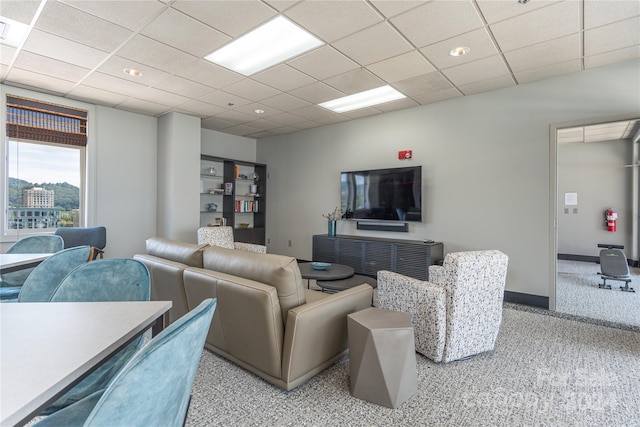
(174, 250)
(279, 271)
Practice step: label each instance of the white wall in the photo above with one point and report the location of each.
(228, 146)
(125, 185)
(594, 171)
(486, 167)
(178, 213)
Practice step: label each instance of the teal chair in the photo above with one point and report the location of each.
(154, 388)
(113, 279)
(10, 283)
(45, 278)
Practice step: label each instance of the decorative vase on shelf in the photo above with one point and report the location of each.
(331, 231)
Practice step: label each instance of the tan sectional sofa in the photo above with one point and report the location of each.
(266, 320)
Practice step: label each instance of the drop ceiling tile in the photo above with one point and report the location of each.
(115, 84)
(446, 19)
(70, 23)
(482, 69)
(316, 93)
(332, 20)
(419, 85)
(478, 41)
(39, 82)
(185, 87)
(264, 124)
(162, 97)
(557, 20)
(397, 105)
(393, 8)
(21, 11)
(548, 72)
(333, 118)
(144, 107)
(362, 112)
(487, 85)
(250, 109)
(215, 123)
(284, 101)
(185, 33)
(231, 17)
(373, 44)
(252, 90)
(401, 67)
(241, 130)
(597, 12)
(307, 125)
(612, 37)
(50, 67)
(202, 109)
(209, 74)
(96, 96)
(236, 117)
(223, 99)
(611, 57)
(494, 11)
(6, 54)
(4, 70)
(131, 14)
(115, 66)
(155, 54)
(323, 63)
(284, 78)
(313, 112)
(281, 5)
(545, 53)
(437, 96)
(286, 119)
(64, 50)
(355, 81)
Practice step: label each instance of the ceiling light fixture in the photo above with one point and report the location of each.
(364, 99)
(132, 72)
(523, 1)
(13, 32)
(258, 111)
(459, 51)
(270, 44)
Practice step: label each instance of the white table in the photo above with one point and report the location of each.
(13, 262)
(49, 347)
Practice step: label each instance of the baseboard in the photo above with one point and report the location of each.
(526, 299)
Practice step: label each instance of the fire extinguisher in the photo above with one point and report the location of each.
(611, 219)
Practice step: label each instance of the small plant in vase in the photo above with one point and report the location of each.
(332, 217)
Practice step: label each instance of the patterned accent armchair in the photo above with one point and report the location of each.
(457, 313)
(223, 237)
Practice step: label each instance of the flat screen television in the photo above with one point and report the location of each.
(382, 194)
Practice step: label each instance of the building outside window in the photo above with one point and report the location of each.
(45, 166)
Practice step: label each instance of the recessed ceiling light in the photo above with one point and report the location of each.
(459, 51)
(523, 1)
(271, 43)
(132, 72)
(258, 111)
(363, 99)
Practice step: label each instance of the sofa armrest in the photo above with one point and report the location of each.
(250, 247)
(426, 304)
(316, 333)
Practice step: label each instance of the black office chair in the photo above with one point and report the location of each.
(96, 237)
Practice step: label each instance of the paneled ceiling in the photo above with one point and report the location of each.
(78, 49)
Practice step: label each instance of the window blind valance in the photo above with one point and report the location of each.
(42, 121)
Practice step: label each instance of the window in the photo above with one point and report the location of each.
(45, 156)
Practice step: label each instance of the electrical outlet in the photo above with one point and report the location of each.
(268, 240)
(566, 210)
(289, 243)
(575, 210)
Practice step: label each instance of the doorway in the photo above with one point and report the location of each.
(594, 166)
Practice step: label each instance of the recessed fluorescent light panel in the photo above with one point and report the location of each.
(270, 44)
(363, 99)
(12, 33)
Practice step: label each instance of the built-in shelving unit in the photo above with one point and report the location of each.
(233, 193)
